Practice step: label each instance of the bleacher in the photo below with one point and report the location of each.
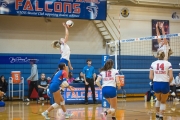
(135, 68)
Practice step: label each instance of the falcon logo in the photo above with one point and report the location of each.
(4, 3)
(3, 6)
(93, 10)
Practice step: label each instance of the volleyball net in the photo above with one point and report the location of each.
(143, 46)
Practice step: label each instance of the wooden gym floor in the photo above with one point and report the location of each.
(128, 109)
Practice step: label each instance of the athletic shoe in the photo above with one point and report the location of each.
(173, 94)
(67, 115)
(45, 115)
(176, 100)
(103, 116)
(27, 100)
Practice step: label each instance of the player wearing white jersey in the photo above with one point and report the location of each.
(109, 77)
(163, 43)
(64, 49)
(110, 80)
(161, 73)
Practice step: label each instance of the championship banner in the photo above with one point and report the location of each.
(72, 9)
(160, 24)
(79, 95)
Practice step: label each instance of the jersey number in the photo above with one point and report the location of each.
(160, 66)
(108, 73)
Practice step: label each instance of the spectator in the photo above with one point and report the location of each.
(33, 78)
(151, 91)
(173, 90)
(177, 81)
(42, 87)
(3, 84)
(89, 78)
(70, 77)
(80, 78)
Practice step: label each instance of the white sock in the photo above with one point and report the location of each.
(46, 112)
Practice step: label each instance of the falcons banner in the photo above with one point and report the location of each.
(73, 9)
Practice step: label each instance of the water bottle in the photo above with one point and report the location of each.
(104, 104)
(145, 98)
(151, 98)
(151, 101)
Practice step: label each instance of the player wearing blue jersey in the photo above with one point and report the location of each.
(58, 80)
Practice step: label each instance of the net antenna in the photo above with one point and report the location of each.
(112, 50)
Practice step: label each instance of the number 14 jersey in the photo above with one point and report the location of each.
(161, 68)
(109, 77)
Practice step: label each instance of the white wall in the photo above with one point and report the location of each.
(138, 24)
(34, 35)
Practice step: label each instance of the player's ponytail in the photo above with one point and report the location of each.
(55, 44)
(108, 65)
(170, 52)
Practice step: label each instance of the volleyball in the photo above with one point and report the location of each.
(69, 23)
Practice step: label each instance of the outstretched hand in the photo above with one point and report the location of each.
(71, 88)
(71, 68)
(161, 24)
(66, 26)
(157, 24)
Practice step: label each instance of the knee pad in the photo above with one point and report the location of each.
(62, 103)
(64, 84)
(162, 106)
(112, 110)
(55, 105)
(157, 103)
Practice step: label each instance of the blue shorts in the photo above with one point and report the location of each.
(161, 87)
(62, 60)
(2, 104)
(109, 92)
(54, 87)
